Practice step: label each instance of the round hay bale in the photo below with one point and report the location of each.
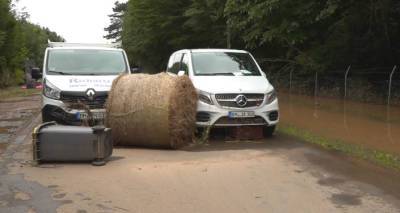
(152, 110)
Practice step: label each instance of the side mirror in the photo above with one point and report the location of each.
(36, 73)
(181, 73)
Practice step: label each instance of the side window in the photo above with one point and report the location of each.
(175, 64)
(170, 63)
(185, 64)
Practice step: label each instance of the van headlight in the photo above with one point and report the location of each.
(205, 97)
(51, 91)
(271, 97)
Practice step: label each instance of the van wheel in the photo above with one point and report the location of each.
(269, 131)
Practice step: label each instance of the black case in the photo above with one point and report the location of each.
(57, 143)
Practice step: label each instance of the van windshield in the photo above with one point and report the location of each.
(224, 63)
(85, 62)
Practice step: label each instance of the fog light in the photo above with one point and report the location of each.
(273, 116)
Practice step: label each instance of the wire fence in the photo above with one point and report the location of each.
(374, 85)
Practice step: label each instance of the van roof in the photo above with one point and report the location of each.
(63, 45)
(218, 50)
(83, 48)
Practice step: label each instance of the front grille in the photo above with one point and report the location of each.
(229, 100)
(273, 116)
(226, 121)
(203, 117)
(79, 100)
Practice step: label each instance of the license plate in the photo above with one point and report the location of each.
(95, 115)
(241, 114)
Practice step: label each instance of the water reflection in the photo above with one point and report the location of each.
(370, 125)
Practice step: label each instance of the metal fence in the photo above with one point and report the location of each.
(375, 85)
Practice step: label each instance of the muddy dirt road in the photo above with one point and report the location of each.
(276, 175)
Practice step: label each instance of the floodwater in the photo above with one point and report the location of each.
(372, 126)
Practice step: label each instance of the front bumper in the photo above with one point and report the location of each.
(58, 111)
(216, 115)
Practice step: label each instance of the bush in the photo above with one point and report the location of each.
(19, 77)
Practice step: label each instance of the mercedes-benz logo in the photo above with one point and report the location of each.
(241, 100)
(90, 93)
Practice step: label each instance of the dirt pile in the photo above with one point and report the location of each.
(152, 110)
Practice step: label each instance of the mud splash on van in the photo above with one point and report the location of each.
(372, 126)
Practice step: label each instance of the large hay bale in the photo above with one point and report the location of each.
(152, 110)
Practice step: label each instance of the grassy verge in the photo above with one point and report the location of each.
(12, 92)
(379, 157)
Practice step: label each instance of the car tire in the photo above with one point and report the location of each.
(269, 131)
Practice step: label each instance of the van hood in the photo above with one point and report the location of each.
(232, 84)
(81, 83)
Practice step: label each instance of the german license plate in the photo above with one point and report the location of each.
(95, 115)
(241, 114)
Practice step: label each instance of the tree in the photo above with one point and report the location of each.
(305, 35)
(7, 25)
(114, 30)
(317, 35)
(152, 30)
(19, 40)
(205, 19)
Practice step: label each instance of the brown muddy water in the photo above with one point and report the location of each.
(372, 126)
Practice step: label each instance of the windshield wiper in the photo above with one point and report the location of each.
(212, 74)
(59, 72)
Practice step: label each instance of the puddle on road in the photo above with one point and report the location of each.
(3, 130)
(4, 141)
(6, 132)
(346, 199)
(369, 125)
(10, 124)
(4, 136)
(16, 116)
(3, 145)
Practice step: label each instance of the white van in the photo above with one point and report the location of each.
(232, 88)
(77, 79)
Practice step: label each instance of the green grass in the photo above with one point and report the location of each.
(13, 92)
(379, 157)
(203, 136)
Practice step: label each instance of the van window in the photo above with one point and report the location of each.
(86, 62)
(175, 64)
(170, 63)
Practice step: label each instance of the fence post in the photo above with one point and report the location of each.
(290, 81)
(390, 85)
(345, 81)
(316, 85)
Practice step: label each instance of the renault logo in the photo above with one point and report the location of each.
(90, 93)
(241, 100)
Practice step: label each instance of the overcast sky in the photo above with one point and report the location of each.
(75, 20)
